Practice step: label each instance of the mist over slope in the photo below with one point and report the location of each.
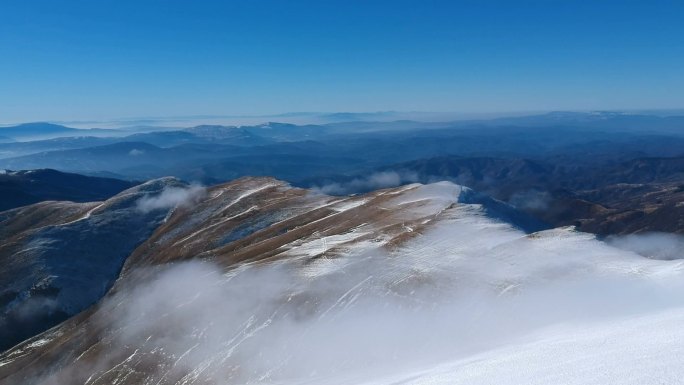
(259, 282)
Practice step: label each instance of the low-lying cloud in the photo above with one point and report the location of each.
(533, 200)
(655, 245)
(171, 197)
(378, 180)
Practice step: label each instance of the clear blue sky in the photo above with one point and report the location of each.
(99, 59)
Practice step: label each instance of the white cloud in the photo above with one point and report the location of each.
(171, 197)
(531, 200)
(375, 181)
(651, 245)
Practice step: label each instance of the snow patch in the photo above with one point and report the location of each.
(349, 204)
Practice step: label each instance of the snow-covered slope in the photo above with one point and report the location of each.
(645, 349)
(258, 282)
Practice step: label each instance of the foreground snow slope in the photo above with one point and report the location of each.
(433, 284)
(644, 349)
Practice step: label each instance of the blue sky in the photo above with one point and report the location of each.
(63, 60)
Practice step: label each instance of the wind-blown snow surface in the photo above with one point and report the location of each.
(466, 300)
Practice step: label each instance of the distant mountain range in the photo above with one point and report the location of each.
(351, 122)
(570, 161)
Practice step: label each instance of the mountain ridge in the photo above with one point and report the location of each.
(20, 188)
(255, 265)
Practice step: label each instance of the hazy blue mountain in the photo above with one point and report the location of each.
(240, 136)
(360, 116)
(14, 149)
(37, 129)
(196, 135)
(289, 167)
(613, 120)
(285, 132)
(164, 138)
(41, 130)
(207, 152)
(130, 159)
